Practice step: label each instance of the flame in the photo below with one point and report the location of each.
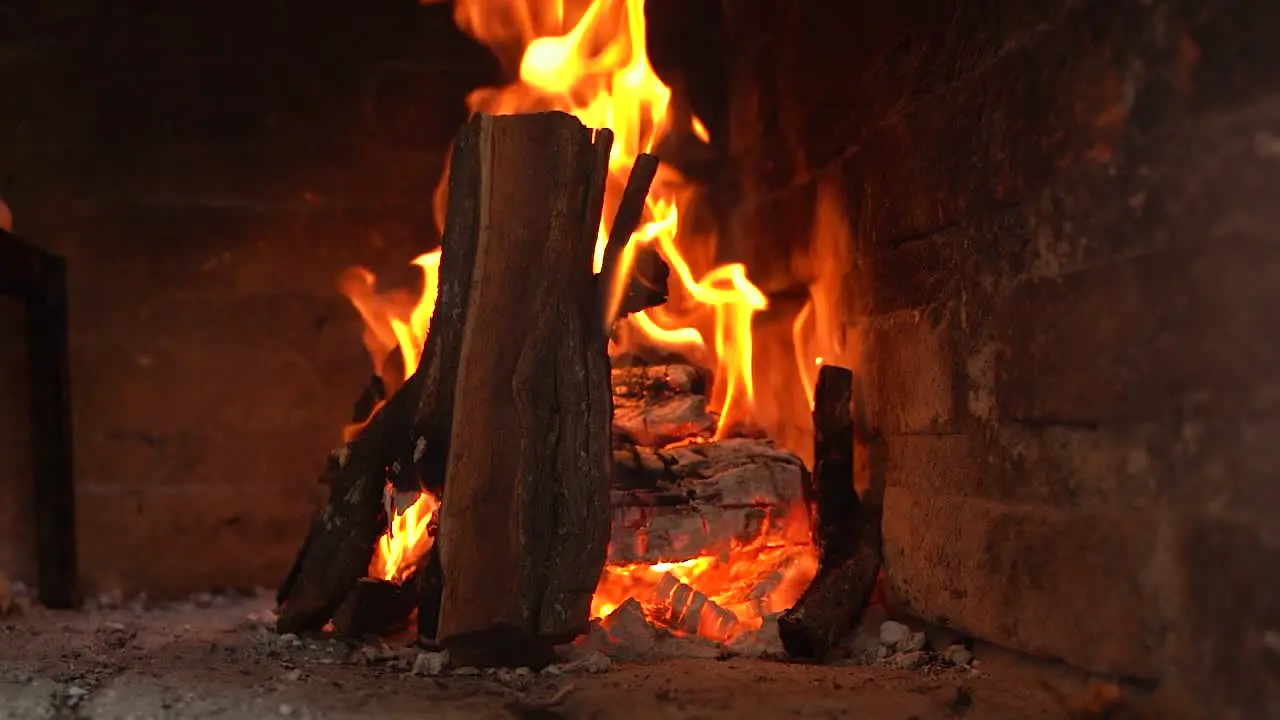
(748, 580)
(588, 57)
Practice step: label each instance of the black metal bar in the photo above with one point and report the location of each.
(39, 279)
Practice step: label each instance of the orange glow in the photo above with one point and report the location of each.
(750, 580)
(588, 58)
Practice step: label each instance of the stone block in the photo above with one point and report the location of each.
(911, 373)
(1146, 338)
(1052, 584)
(1068, 468)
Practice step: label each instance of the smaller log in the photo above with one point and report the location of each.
(341, 542)
(846, 530)
(430, 590)
(375, 391)
(648, 286)
(376, 607)
(613, 287)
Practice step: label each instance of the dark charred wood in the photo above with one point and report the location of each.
(375, 391)
(430, 592)
(614, 290)
(846, 529)
(376, 607)
(648, 285)
(341, 543)
(533, 370)
(422, 460)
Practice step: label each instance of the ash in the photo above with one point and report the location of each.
(218, 655)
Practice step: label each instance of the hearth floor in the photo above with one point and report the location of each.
(185, 661)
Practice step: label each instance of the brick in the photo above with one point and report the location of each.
(1052, 584)
(1066, 468)
(911, 371)
(1144, 338)
(170, 543)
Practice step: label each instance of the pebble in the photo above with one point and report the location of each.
(285, 709)
(289, 640)
(202, 600)
(893, 633)
(430, 663)
(958, 655)
(466, 671)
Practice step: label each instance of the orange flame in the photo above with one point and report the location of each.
(588, 58)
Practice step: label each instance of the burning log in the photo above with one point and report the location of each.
(375, 392)
(846, 530)
(341, 542)
(703, 495)
(524, 526)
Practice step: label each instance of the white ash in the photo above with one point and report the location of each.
(710, 495)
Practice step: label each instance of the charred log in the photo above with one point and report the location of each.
(524, 526)
(615, 275)
(846, 529)
(376, 607)
(374, 393)
(342, 539)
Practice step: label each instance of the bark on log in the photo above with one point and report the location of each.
(525, 521)
(846, 530)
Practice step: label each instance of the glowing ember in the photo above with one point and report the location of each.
(589, 59)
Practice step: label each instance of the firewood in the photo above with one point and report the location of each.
(375, 391)
(341, 543)
(430, 593)
(375, 607)
(524, 525)
(846, 529)
(613, 288)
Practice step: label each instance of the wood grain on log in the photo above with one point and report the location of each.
(846, 530)
(525, 521)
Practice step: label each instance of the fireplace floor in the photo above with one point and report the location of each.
(184, 660)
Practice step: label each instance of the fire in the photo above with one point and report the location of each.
(588, 57)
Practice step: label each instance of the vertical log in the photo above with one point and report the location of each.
(524, 525)
(846, 529)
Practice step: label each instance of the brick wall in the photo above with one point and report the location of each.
(1063, 273)
(208, 168)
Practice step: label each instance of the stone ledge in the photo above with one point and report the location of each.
(911, 373)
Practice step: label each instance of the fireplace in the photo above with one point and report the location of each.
(1035, 233)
